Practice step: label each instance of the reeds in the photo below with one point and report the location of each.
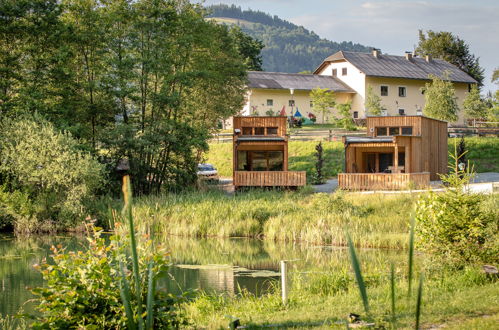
(362, 287)
(135, 320)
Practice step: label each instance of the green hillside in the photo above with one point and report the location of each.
(288, 47)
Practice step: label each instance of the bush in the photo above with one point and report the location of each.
(46, 178)
(83, 288)
(458, 226)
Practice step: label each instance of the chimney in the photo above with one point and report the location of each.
(408, 56)
(376, 52)
(428, 58)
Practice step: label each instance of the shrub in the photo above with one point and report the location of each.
(457, 225)
(83, 288)
(45, 169)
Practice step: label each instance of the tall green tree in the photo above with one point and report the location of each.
(452, 49)
(323, 100)
(440, 100)
(249, 48)
(372, 103)
(344, 119)
(474, 106)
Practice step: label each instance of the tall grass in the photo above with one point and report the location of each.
(374, 220)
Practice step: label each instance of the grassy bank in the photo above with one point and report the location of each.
(483, 152)
(374, 220)
(463, 299)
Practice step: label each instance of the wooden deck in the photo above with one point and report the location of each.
(383, 181)
(269, 178)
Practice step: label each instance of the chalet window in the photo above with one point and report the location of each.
(335, 72)
(247, 130)
(259, 130)
(406, 130)
(394, 131)
(381, 131)
(270, 102)
(291, 103)
(384, 90)
(271, 130)
(402, 92)
(275, 160)
(344, 71)
(355, 114)
(402, 112)
(260, 160)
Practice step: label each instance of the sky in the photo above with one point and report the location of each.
(393, 25)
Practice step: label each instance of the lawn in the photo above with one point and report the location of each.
(483, 153)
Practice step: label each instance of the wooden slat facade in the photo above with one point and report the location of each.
(383, 181)
(270, 178)
(424, 152)
(261, 143)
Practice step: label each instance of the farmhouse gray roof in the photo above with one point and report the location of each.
(393, 66)
(280, 80)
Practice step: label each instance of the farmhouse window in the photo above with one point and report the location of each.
(384, 90)
(335, 72)
(291, 103)
(402, 92)
(344, 71)
(270, 102)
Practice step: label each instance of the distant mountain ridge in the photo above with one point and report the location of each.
(288, 47)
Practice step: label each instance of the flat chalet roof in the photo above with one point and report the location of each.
(297, 81)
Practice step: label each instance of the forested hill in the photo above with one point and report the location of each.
(288, 47)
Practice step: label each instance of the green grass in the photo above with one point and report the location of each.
(483, 153)
(287, 216)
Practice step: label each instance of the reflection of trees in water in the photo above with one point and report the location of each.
(17, 257)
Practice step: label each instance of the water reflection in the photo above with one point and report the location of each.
(212, 265)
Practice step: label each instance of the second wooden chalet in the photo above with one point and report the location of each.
(398, 152)
(260, 153)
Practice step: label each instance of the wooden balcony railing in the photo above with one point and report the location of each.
(383, 181)
(270, 178)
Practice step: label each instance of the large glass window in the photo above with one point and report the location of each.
(258, 161)
(275, 160)
(242, 161)
(247, 130)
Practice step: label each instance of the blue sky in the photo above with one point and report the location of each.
(393, 25)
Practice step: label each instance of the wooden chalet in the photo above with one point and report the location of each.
(261, 153)
(398, 152)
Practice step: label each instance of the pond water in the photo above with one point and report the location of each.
(213, 265)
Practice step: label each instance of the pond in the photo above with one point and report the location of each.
(214, 265)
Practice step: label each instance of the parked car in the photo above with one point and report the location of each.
(207, 172)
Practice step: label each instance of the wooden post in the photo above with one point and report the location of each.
(284, 282)
(396, 160)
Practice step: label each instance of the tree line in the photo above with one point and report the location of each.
(138, 84)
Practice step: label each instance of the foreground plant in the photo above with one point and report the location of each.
(91, 288)
(458, 226)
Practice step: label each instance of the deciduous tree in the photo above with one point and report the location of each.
(452, 49)
(440, 100)
(372, 103)
(323, 100)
